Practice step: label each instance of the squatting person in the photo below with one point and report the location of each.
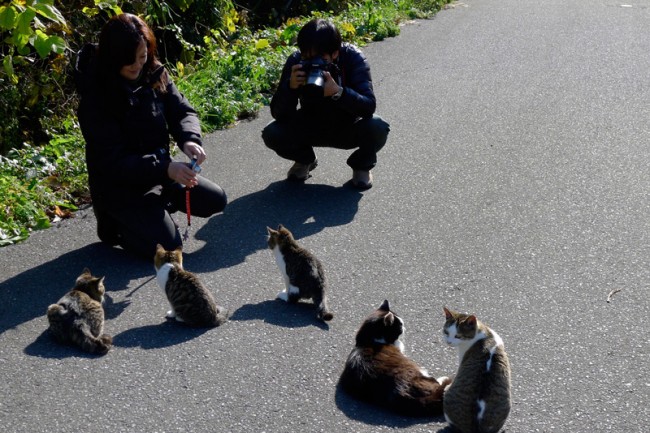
(325, 98)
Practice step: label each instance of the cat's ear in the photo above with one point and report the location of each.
(159, 248)
(178, 253)
(86, 271)
(389, 319)
(471, 321)
(280, 227)
(384, 306)
(448, 314)
(101, 280)
(270, 230)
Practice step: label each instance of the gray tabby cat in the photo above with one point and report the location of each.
(302, 272)
(378, 371)
(78, 317)
(478, 401)
(191, 303)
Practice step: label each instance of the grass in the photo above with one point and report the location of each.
(233, 80)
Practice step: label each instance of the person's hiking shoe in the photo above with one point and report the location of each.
(300, 171)
(362, 179)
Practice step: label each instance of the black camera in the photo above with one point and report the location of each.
(315, 81)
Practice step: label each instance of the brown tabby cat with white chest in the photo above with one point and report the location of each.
(478, 401)
(78, 317)
(191, 302)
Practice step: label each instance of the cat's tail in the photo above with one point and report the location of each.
(91, 344)
(55, 311)
(424, 397)
(221, 317)
(56, 317)
(324, 312)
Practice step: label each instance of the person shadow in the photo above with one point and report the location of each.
(27, 295)
(305, 209)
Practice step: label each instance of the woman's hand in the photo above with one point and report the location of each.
(181, 172)
(194, 151)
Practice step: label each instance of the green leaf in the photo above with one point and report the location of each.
(45, 44)
(7, 17)
(8, 65)
(66, 205)
(50, 12)
(41, 45)
(42, 222)
(24, 22)
(261, 44)
(19, 40)
(90, 12)
(57, 44)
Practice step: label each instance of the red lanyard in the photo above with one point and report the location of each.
(186, 235)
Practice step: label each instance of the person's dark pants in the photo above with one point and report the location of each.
(139, 228)
(295, 139)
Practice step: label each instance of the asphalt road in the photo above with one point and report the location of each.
(515, 185)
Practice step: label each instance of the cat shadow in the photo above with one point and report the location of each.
(280, 313)
(240, 230)
(165, 334)
(28, 294)
(374, 415)
(45, 347)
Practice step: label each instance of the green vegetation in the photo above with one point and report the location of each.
(223, 60)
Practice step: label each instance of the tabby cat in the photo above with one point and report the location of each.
(191, 303)
(78, 317)
(378, 371)
(479, 399)
(302, 271)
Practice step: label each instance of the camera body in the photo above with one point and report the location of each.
(315, 81)
(195, 167)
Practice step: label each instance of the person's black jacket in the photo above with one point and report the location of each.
(127, 131)
(358, 99)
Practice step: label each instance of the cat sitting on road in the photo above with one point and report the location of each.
(378, 371)
(191, 302)
(302, 272)
(479, 399)
(78, 317)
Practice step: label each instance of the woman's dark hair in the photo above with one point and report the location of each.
(118, 44)
(319, 36)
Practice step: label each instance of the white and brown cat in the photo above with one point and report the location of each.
(478, 401)
(191, 302)
(302, 272)
(377, 370)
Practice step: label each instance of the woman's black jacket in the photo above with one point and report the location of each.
(127, 128)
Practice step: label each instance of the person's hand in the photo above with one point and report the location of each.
(298, 76)
(331, 86)
(194, 151)
(181, 172)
